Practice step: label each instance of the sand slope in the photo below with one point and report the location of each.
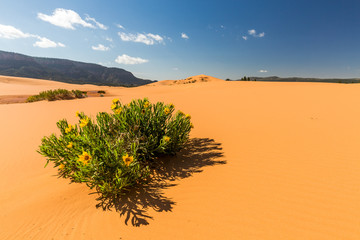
(267, 161)
(202, 78)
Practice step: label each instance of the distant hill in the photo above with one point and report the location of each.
(298, 79)
(62, 70)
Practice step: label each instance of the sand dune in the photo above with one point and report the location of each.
(202, 78)
(266, 161)
(29, 86)
(17, 90)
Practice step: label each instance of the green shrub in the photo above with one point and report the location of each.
(34, 98)
(79, 94)
(58, 94)
(116, 151)
(101, 91)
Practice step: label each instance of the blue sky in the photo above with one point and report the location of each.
(161, 39)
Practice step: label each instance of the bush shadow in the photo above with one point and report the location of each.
(135, 204)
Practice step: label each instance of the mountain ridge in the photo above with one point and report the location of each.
(64, 70)
(301, 79)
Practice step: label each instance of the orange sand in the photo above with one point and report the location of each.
(269, 161)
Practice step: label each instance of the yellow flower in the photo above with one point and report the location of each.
(128, 105)
(191, 125)
(69, 128)
(113, 106)
(115, 100)
(85, 158)
(171, 105)
(181, 113)
(77, 114)
(166, 110)
(84, 122)
(61, 166)
(146, 104)
(187, 116)
(128, 159)
(166, 139)
(118, 111)
(70, 145)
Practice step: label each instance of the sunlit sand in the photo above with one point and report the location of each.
(265, 161)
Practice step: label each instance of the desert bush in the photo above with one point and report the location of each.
(101, 91)
(116, 151)
(58, 94)
(79, 94)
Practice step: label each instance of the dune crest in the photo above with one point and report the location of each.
(193, 79)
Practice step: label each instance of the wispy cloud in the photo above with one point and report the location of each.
(252, 32)
(120, 26)
(100, 25)
(47, 43)
(148, 38)
(245, 38)
(125, 59)
(100, 47)
(108, 39)
(263, 71)
(10, 32)
(65, 18)
(184, 35)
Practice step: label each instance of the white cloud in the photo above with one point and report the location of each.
(155, 37)
(65, 18)
(10, 32)
(100, 25)
(108, 39)
(252, 32)
(148, 39)
(47, 43)
(244, 37)
(263, 71)
(184, 35)
(120, 26)
(100, 47)
(125, 59)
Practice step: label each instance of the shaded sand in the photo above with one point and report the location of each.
(266, 161)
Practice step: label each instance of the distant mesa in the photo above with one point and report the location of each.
(62, 70)
(300, 79)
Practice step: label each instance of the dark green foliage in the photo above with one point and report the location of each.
(58, 94)
(245, 79)
(116, 152)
